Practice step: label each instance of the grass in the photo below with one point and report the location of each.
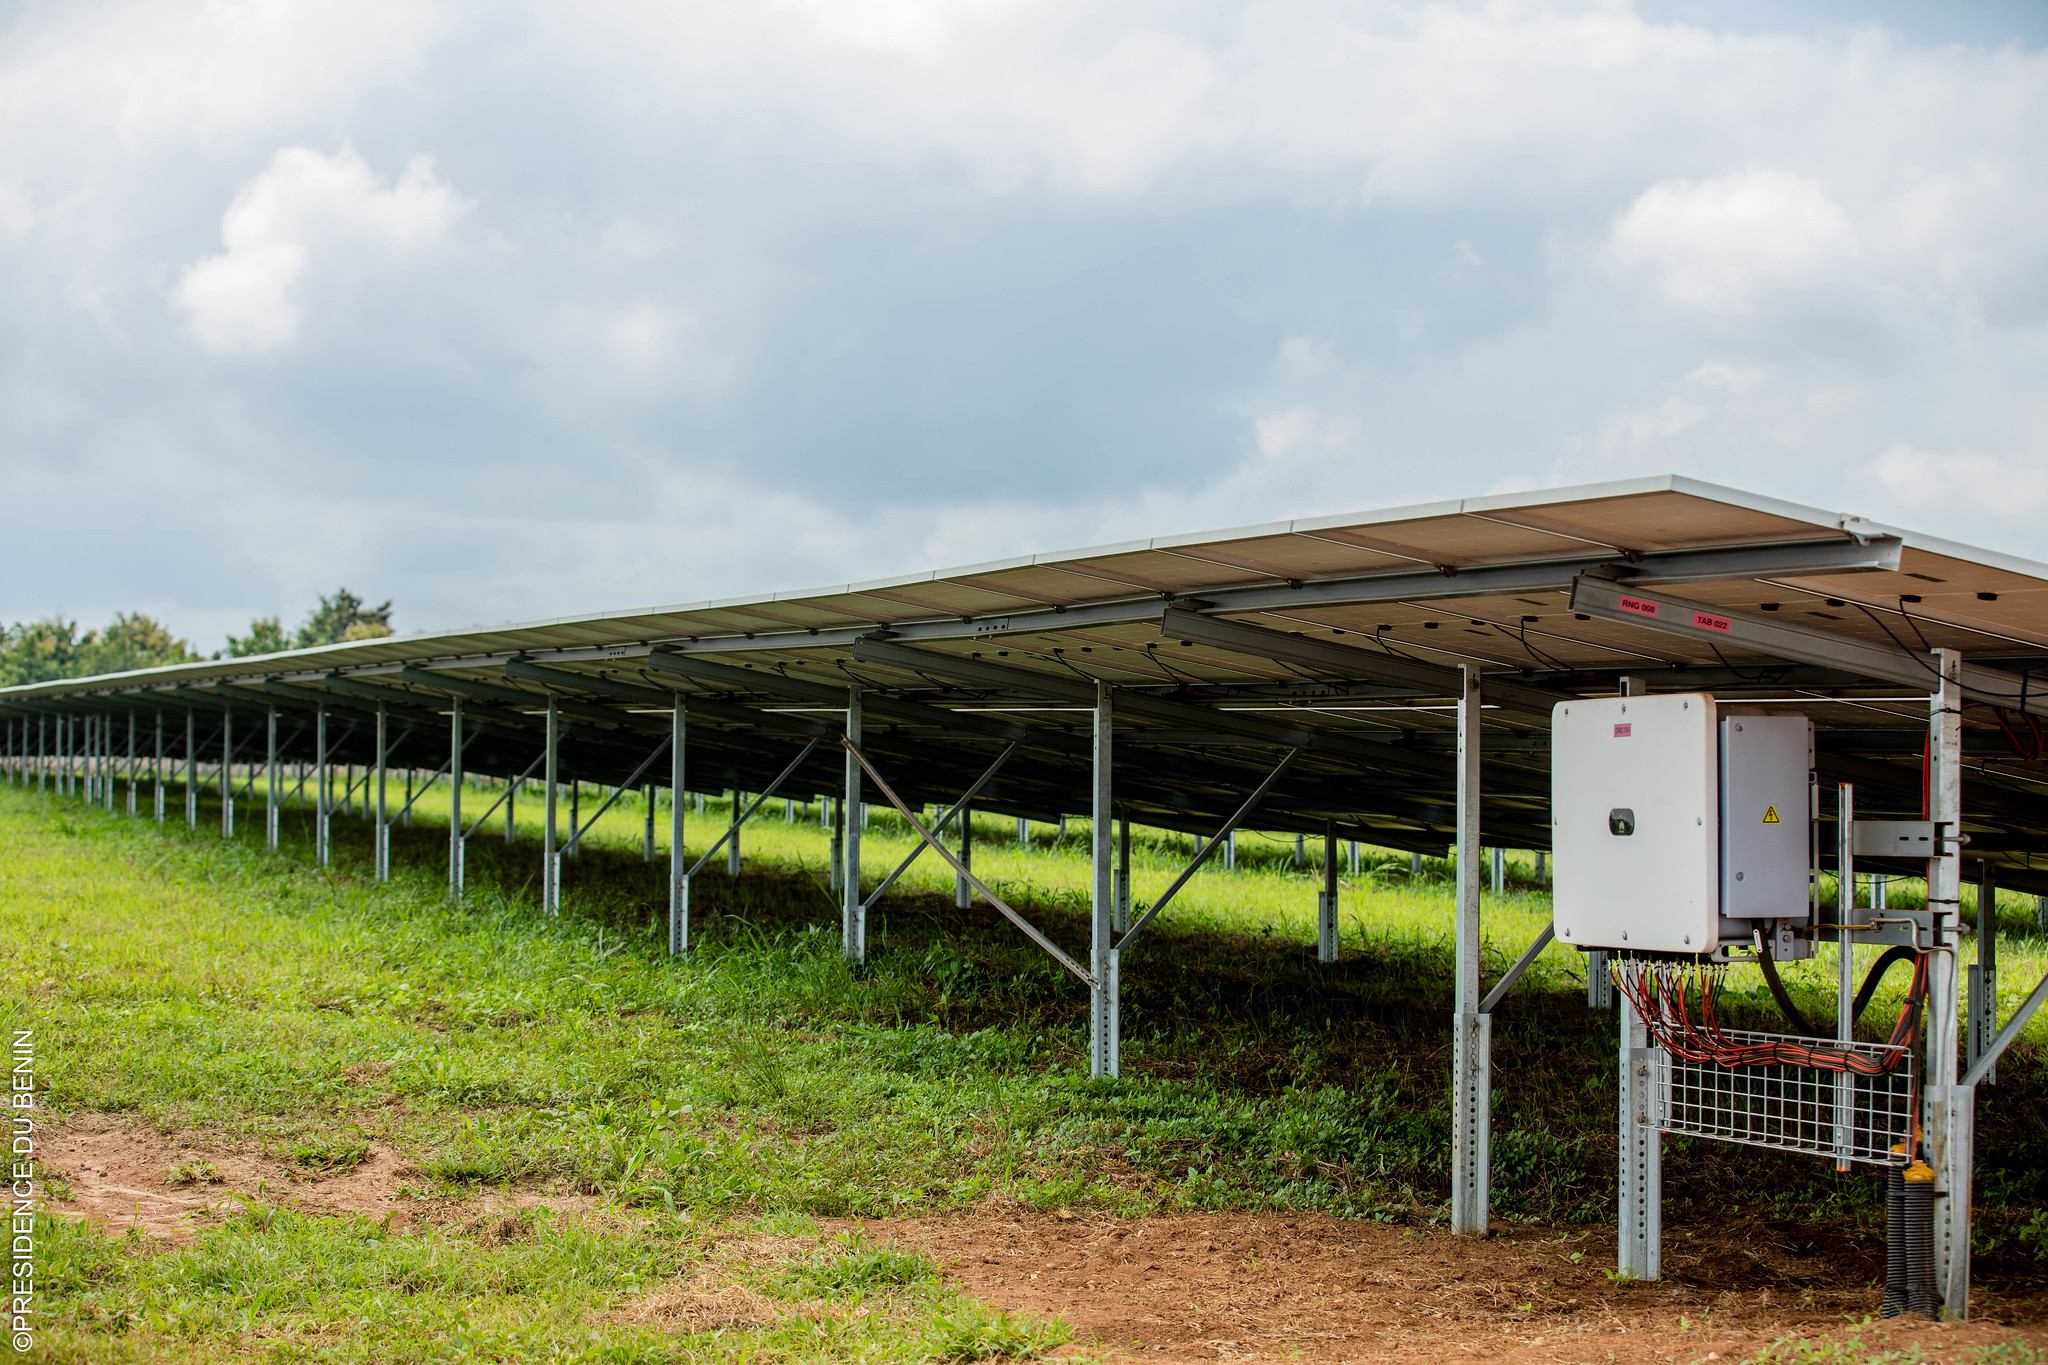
(201, 984)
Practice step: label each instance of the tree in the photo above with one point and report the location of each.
(53, 648)
(266, 636)
(343, 617)
(133, 641)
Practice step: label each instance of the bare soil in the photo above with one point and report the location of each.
(1239, 1287)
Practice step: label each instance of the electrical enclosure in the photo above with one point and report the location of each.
(1635, 811)
(1766, 769)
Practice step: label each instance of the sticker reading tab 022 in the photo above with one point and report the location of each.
(1706, 621)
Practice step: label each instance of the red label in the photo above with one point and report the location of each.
(1624, 729)
(1638, 605)
(1705, 622)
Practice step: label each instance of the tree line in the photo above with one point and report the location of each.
(54, 647)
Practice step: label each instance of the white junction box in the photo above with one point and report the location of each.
(1635, 815)
(1766, 765)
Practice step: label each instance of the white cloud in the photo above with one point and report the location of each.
(1959, 485)
(1731, 418)
(1734, 244)
(241, 302)
(155, 69)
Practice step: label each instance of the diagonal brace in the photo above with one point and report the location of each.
(753, 805)
(419, 792)
(576, 836)
(952, 812)
(506, 795)
(1243, 812)
(2012, 1028)
(977, 883)
(1514, 973)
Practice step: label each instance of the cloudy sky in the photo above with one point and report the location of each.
(507, 311)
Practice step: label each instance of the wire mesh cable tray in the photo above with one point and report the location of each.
(1841, 1115)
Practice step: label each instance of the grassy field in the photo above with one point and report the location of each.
(673, 1110)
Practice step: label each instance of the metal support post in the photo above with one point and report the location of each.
(678, 876)
(1640, 1250)
(1500, 872)
(1024, 834)
(405, 811)
(1230, 852)
(157, 770)
(647, 839)
(575, 841)
(227, 775)
(1103, 1049)
(833, 813)
(272, 781)
(1123, 875)
(1845, 968)
(1300, 850)
(732, 843)
(134, 769)
(1949, 1110)
(1981, 1005)
(1326, 903)
(853, 915)
(1471, 1031)
(963, 890)
(456, 842)
(511, 817)
(191, 770)
(1351, 846)
(322, 798)
(43, 751)
(550, 862)
(1599, 982)
(382, 847)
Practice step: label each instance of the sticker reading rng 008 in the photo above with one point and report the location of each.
(1707, 621)
(1641, 606)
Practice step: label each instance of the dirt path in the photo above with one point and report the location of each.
(1237, 1287)
(1293, 1288)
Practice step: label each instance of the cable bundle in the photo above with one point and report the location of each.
(1676, 1001)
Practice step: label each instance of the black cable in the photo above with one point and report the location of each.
(1897, 953)
(1785, 1005)
(1903, 647)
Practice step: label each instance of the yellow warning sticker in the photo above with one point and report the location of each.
(1771, 816)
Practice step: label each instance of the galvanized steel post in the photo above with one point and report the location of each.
(321, 831)
(1950, 1108)
(550, 862)
(191, 770)
(227, 774)
(732, 842)
(1326, 904)
(272, 781)
(157, 770)
(1472, 1032)
(1103, 1049)
(678, 866)
(647, 840)
(963, 890)
(381, 847)
(134, 770)
(853, 915)
(456, 842)
(1123, 875)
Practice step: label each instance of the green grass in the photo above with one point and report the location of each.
(203, 985)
